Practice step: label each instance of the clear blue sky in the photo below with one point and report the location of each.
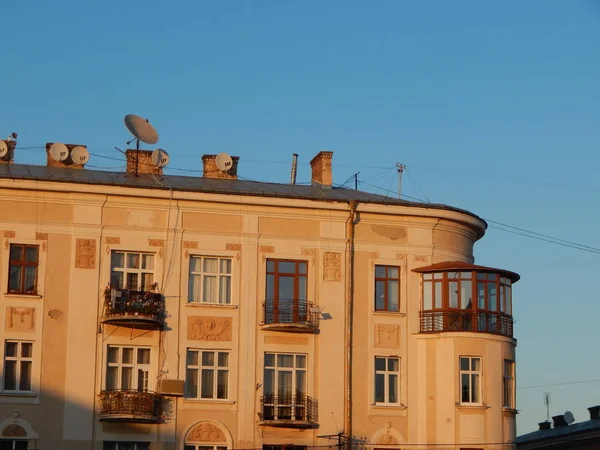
(494, 106)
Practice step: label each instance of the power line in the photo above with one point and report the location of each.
(595, 380)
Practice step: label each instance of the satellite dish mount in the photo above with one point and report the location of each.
(142, 131)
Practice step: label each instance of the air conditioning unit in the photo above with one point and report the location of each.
(172, 388)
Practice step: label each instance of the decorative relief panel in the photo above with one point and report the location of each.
(20, 319)
(112, 240)
(85, 254)
(387, 336)
(10, 234)
(204, 328)
(312, 252)
(332, 266)
(156, 242)
(206, 432)
(266, 249)
(41, 236)
(190, 244)
(374, 255)
(233, 246)
(421, 258)
(387, 439)
(401, 256)
(14, 430)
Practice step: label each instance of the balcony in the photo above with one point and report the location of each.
(131, 406)
(288, 411)
(294, 316)
(136, 309)
(469, 321)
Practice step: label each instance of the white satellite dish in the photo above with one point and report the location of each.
(569, 418)
(160, 158)
(80, 155)
(59, 151)
(224, 162)
(3, 149)
(141, 129)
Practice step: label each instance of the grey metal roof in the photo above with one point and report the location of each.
(570, 430)
(205, 185)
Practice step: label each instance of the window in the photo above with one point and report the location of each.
(284, 447)
(126, 446)
(470, 379)
(204, 447)
(508, 385)
(210, 280)
(387, 379)
(23, 269)
(128, 368)
(286, 292)
(129, 270)
(18, 359)
(387, 292)
(13, 444)
(284, 387)
(210, 371)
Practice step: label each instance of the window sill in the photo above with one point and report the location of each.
(383, 406)
(19, 398)
(472, 406)
(211, 305)
(18, 394)
(389, 313)
(208, 401)
(15, 295)
(510, 410)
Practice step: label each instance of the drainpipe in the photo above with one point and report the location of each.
(349, 317)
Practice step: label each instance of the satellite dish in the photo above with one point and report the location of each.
(224, 162)
(59, 152)
(3, 149)
(160, 158)
(80, 155)
(569, 418)
(141, 129)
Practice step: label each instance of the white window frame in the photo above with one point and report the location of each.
(139, 271)
(508, 384)
(120, 445)
(295, 370)
(134, 365)
(18, 359)
(202, 274)
(194, 446)
(386, 374)
(471, 372)
(200, 369)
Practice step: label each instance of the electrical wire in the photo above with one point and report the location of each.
(595, 380)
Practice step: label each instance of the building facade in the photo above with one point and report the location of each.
(197, 313)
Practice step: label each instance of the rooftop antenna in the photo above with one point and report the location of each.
(142, 131)
(400, 168)
(294, 167)
(547, 403)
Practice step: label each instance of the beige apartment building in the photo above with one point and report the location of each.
(214, 313)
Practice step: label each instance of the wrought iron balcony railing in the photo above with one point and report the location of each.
(129, 405)
(284, 314)
(130, 306)
(297, 411)
(461, 320)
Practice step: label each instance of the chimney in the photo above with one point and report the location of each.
(594, 412)
(212, 171)
(559, 421)
(68, 163)
(143, 160)
(545, 425)
(321, 169)
(10, 156)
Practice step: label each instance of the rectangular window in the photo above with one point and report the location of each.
(204, 447)
(284, 447)
(284, 387)
(207, 374)
(131, 270)
(23, 269)
(286, 296)
(387, 288)
(126, 445)
(508, 385)
(387, 380)
(470, 379)
(128, 368)
(210, 280)
(18, 360)
(14, 444)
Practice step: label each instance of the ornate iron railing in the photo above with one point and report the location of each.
(301, 408)
(127, 302)
(461, 320)
(129, 403)
(286, 311)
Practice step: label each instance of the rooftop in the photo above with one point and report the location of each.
(569, 432)
(460, 265)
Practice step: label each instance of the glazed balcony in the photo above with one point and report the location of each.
(468, 321)
(296, 316)
(137, 309)
(289, 411)
(131, 406)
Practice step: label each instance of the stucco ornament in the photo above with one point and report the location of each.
(332, 266)
(202, 328)
(206, 432)
(20, 319)
(85, 254)
(14, 430)
(387, 439)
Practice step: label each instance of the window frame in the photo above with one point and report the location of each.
(386, 280)
(200, 368)
(508, 384)
(275, 303)
(134, 366)
(19, 359)
(386, 373)
(139, 271)
(219, 275)
(23, 263)
(471, 372)
(137, 445)
(197, 446)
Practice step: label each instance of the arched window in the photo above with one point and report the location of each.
(16, 434)
(207, 436)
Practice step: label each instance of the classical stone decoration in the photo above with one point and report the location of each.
(401, 256)
(233, 246)
(332, 266)
(190, 244)
(421, 258)
(6, 244)
(206, 432)
(44, 246)
(85, 254)
(374, 255)
(14, 430)
(20, 319)
(266, 249)
(387, 439)
(10, 234)
(387, 335)
(204, 328)
(312, 252)
(41, 236)
(112, 240)
(156, 242)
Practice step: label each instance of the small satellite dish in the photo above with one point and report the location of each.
(160, 158)
(3, 149)
(59, 152)
(141, 129)
(569, 418)
(80, 155)
(224, 162)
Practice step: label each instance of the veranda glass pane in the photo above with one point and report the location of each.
(438, 295)
(466, 292)
(481, 295)
(453, 293)
(427, 296)
(492, 301)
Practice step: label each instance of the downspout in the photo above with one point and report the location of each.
(349, 318)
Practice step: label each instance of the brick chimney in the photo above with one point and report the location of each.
(9, 158)
(559, 421)
(545, 425)
(144, 162)
(212, 171)
(594, 412)
(321, 169)
(51, 162)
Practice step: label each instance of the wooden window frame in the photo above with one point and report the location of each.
(22, 263)
(277, 275)
(386, 279)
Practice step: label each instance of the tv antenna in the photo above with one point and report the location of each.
(547, 403)
(142, 131)
(400, 168)
(224, 162)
